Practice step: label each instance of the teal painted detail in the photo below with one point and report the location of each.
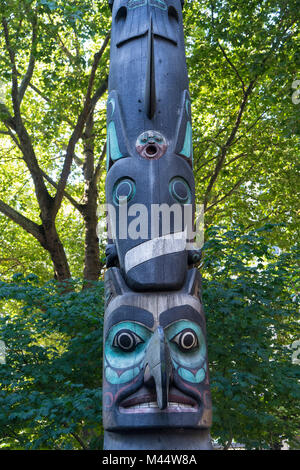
(158, 4)
(120, 359)
(194, 358)
(187, 108)
(112, 141)
(187, 149)
(113, 104)
(114, 378)
(130, 190)
(190, 377)
(123, 366)
(177, 197)
(107, 153)
(136, 3)
(140, 3)
(130, 194)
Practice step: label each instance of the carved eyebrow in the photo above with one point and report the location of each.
(131, 38)
(181, 312)
(141, 35)
(129, 313)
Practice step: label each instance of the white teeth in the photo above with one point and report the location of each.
(153, 404)
(148, 405)
(152, 407)
(182, 406)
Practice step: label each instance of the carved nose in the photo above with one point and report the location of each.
(158, 367)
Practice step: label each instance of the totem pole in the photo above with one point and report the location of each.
(155, 382)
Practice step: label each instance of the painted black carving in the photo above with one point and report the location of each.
(155, 359)
(155, 375)
(149, 101)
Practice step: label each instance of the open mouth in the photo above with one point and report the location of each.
(146, 403)
(151, 150)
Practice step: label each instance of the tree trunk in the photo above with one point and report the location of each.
(56, 250)
(92, 265)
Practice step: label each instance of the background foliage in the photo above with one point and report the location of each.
(50, 395)
(243, 58)
(252, 315)
(51, 385)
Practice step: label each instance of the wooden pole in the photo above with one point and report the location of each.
(156, 391)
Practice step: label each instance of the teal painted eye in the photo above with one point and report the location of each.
(180, 190)
(124, 191)
(187, 344)
(124, 350)
(186, 340)
(126, 340)
(125, 344)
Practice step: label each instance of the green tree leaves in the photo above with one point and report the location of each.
(248, 179)
(249, 293)
(50, 385)
(50, 394)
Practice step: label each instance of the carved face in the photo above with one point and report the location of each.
(155, 359)
(151, 145)
(147, 260)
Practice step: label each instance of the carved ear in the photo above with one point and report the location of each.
(193, 283)
(114, 284)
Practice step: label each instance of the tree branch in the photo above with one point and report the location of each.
(237, 157)
(11, 53)
(29, 72)
(78, 439)
(228, 143)
(239, 182)
(61, 44)
(205, 163)
(6, 117)
(25, 144)
(226, 195)
(232, 66)
(97, 58)
(88, 139)
(24, 222)
(98, 167)
(66, 194)
(99, 92)
(88, 106)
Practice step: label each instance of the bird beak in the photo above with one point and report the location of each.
(158, 366)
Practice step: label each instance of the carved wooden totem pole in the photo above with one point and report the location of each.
(155, 383)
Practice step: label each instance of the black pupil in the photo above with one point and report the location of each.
(125, 341)
(188, 340)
